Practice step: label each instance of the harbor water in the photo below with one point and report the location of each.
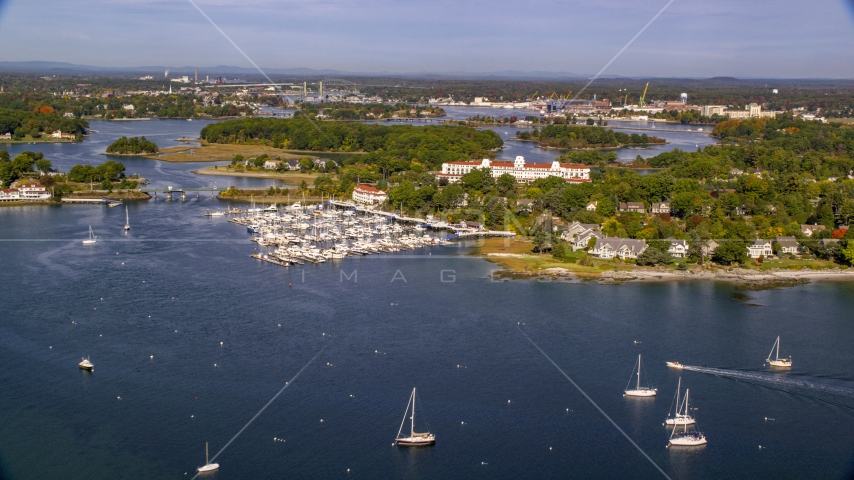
(191, 338)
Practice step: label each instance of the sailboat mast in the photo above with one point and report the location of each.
(412, 424)
(778, 348)
(206, 454)
(639, 367)
(678, 388)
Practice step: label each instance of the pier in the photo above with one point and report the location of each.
(102, 200)
(169, 191)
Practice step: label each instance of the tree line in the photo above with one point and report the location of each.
(132, 146)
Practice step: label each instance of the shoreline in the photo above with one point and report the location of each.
(286, 178)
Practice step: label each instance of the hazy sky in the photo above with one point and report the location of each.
(756, 38)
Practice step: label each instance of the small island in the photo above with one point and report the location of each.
(585, 137)
(132, 146)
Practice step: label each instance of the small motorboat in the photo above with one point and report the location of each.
(85, 364)
(675, 365)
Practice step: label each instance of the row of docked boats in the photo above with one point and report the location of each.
(317, 234)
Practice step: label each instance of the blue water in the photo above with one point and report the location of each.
(150, 309)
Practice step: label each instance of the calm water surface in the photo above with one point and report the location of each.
(150, 309)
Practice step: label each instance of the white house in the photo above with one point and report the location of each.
(636, 207)
(6, 136)
(610, 247)
(591, 207)
(677, 248)
(33, 191)
(521, 171)
(271, 164)
(788, 245)
(662, 207)
(808, 230)
(10, 195)
(129, 107)
(581, 240)
(368, 194)
(759, 248)
(576, 227)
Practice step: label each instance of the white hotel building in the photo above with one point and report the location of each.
(368, 194)
(523, 172)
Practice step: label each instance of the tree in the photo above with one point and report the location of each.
(847, 252)
(506, 184)
(44, 165)
(729, 252)
(477, 180)
(653, 256)
(606, 207)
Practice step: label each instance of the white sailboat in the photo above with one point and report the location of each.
(414, 439)
(688, 437)
(778, 362)
(639, 391)
(679, 418)
(208, 466)
(127, 219)
(91, 239)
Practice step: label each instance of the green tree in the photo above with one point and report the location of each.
(847, 252)
(653, 256)
(729, 252)
(477, 180)
(506, 185)
(44, 165)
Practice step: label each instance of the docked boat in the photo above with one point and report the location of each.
(127, 219)
(639, 391)
(675, 365)
(686, 434)
(777, 361)
(683, 418)
(85, 364)
(414, 439)
(91, 240)
(208, 466)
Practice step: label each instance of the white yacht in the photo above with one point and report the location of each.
(777, 361)
(675, 365)
(414, 439)
(679, 418)
(85, 364)
(687, 435)
(91, 239)
(639, 391)
(208, 466)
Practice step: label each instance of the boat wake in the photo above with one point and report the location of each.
(781, 382)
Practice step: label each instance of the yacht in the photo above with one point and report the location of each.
(208, 466)
(689, 435)
(675, 365)
(414, 439)
(679, 418)
(639, 391)
(85, 364)
(91, 239)
(777, 361)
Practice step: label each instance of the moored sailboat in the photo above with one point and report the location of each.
(414, 439)
(689, 435)
(679, 418)
(777, 361)
(208, 466)
(639, 391)
(91, 240)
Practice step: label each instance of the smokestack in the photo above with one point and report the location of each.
(196, 73)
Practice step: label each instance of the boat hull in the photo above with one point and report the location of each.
(780, 363)
(87, 368)
(688, 441)
(644, 392)
(416, 441)
(680, 421)
(675, 365)
(208, 468)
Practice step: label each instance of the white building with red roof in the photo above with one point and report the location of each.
(368, 194)
(27, 191)
(521, 171)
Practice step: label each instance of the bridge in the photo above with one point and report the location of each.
(182, 190)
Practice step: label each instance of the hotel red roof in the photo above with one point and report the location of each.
(369, 189)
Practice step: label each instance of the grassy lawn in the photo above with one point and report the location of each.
(220, 152)
(798, 264)
(290, 178)
(529, 263)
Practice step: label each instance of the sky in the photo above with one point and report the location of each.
(691, 38)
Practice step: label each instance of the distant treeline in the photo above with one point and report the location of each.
(41, 120)
(365, 111)
(132, 146)
(390, 147)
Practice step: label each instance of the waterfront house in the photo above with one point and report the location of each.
(471, 224)
(577, 227)
(271, 164)
(10, 195)
(708, 247)
(634, 207)
(759, 248)
(6, 136)
(520, 170)
(367, 194)
(809, 230)
(677, 248)
(623, 248)
(788, 245)
(582, 240)
(662, 207)
(524, 205)
(33, 191)
(591, 207)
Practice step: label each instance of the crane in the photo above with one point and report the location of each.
(626, 101)
(534, 95)
(642, 101)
